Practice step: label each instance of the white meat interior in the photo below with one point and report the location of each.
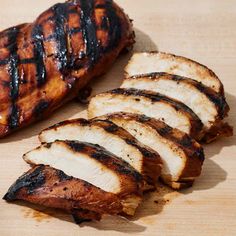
(96, 135)
(181, 91)
(143, 63)
(172, 156)
(78, 165)
(109, 103)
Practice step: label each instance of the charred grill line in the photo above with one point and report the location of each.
(13, 119)
(4, 62)
(61, 30)
(114, 30)
(27, 61)
(74, 31)
(37, 36)
(89, 31)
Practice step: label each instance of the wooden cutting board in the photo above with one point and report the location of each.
(203, 30)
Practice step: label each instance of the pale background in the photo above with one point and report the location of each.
(203, 30)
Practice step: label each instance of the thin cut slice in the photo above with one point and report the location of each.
(149, 62)
(111, 137)
(92, 164)
(210, 107)
(46, 186)
(182, 156)
(172, 112)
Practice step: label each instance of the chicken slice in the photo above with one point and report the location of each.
(149, 62)
(50, 187)
(181, 155)
(94, 165)
(113, 138)
(172, 112)
(208, 105)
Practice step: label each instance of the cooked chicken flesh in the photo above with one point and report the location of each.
(47, 186)
(182, 156)
(172, 112)
(92, 164)
(149, 62)
(208, 105)
(44, 64)
(113, 138)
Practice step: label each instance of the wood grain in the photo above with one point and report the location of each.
(203, 30)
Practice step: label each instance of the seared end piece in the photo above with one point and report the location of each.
(50, 187)
(210, 106)
(115, 139)
(149, 62)
(151, 104)
(93, 164)
(181, 155)
(44, 64)
(220, 129)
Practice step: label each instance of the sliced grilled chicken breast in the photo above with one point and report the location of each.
(151, 104)
(92, 164)
(113, 138)
(149, 62)
(51, 187)
(181, 155)
(208, 105)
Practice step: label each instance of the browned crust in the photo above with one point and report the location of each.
(152, 163)
(131, 181)
(32, 102)
(196, 124)
(50, 187)
(221, 87)
(193, 150)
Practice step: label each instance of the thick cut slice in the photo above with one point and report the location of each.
(92, 164)
(208, 105)
(172, 112)
(51, 187)
(181, 155)
(113, 138)
(149, 62)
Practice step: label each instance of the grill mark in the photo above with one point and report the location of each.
(39, 54)
(27, 61)
(13, 60)
(155, 97)
(30, 181)
(40, 108)
(74, 30)
(61, 18)
(115, 28)
(89, 31)
(4, 62)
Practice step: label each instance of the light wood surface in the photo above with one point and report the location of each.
(203, 30)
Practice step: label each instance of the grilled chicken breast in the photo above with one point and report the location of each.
(172, 112)
(47, 186)
(94, 165)
(149, 62)
(113, 138)
(181, 155)
(208, 105)
(44, 64)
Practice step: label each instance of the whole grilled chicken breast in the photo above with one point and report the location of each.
(208, 105)
(114, 139)
(44, 64)
(182, 156)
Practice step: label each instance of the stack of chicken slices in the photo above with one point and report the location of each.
(148, 129)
